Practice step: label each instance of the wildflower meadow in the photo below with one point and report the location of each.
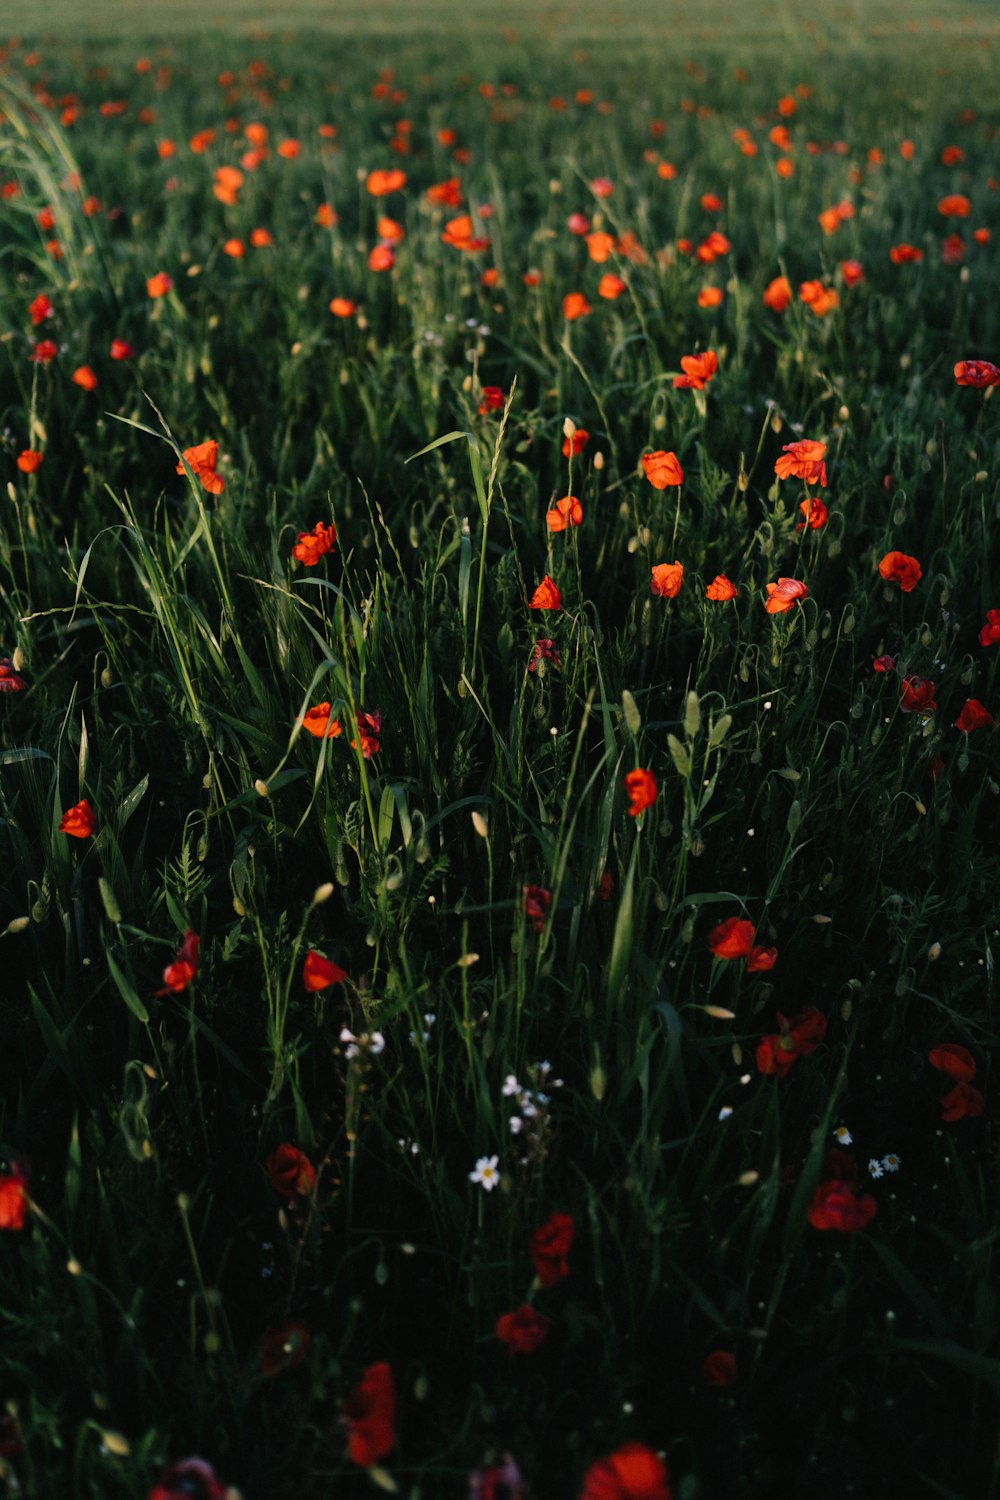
(499, 797)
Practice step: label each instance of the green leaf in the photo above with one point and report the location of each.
(126, 991)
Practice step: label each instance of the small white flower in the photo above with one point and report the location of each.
(486, 1173)
(843, 1135)
(891, 1163)
(725, 1111)
(510, 1086)
(376, 1043)
(875, 1168)
(528, 1108)
(516, 1124)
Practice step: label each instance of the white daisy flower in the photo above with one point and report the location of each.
(891, 1163)
(843, 1135)
(486, 1173)
(876, 1168)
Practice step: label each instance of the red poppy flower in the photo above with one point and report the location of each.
(381, 258)
(312, 545)
(121, 349)
(84, 377)
(369, 729)
(39, 309)
(550, 1247)
(632, 1472)
(159, 285)
(318, 973)
(815, 512)
(610, 286)
(178, 975)
(904, 570)
(761, 960)
(954, 206)
(43, 352)
(284, 1347)
(202, 459)
(990, 633)
(575, 442)
(578, 224)
(733, 938)
(974, 715)
(11, 680)
(370, 1415)
(955, 1060)
(13, 1201)
(522, 1331)
(698, 369)
(566, 512)
(841, 1205)
(977, 372)
(78, 821)
(29, 461)
(662, 469)
(317, 721)
(666, 580)
(536, 901)
(852, 271)
(261, 239)
(818, 298)
(720, 589)
(961, 1101)
(804, 460)
(904, 254)
(493, 399)
(381, 183)
(546, 595)
(782, 595)
(883, 663)
(642, 789)
(917, 696)
(543, 650)
(778, 294)
(719, 1368)
(575, 305)
(797, 1038)
(190, 1479)
(290, 1171)
(448, 193)
(599, 246)
(343, 307)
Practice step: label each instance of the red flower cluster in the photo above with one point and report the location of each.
(550, 1247)
(958, 1063)
(734, 938)
(632, 1472)
(312, 545)
(536, 902)
(522, 1331)
(840, 1204)
(178, 975)
(795, 1038)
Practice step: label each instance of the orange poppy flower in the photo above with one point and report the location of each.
(381, 258)
(954, 206)
(390, 231)
(709, 296)
(610, 286)
(179, 975)
(904, 570)
(318, 973)
(159, 285)
(381, 183)
(977, 372)
(852, 272)
(903, 254)
(632, 1472)
(201, 141)
(458, 232)
(546, 595)
(343, 307)
(202, 459)
(818, 298)
(662, 469)
(575, 305)
(666, 170)
(260, 239)
(698, 369)
(566, 512)
(165, 150)
(312, 545)
(778, 294)
(667, 579)
(720, 589)
(783, 594)
(289, 150)
(761, 960)
(804, 460)
(448, 193)
(29, 461)
(78, 821)
(317, 722)
(642, 788)
(39, 309)
(84, 377)
(575, 442)
(599, 246)
(815, 512)
(234, 249)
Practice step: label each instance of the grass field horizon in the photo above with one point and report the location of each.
(499, 625)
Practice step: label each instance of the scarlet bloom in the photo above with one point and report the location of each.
(990, 633)
(29, 461)
(343, 307)
(39, 309)
(575, 442)
(43, 352)
(955, 1060)
(381, 258)
(761, 960)
(318, 973)
(883, 663)
(381, 183)
(782, 595)
(698, 369)
(839, 1204)
(610, 286)
(369, 729)
(917, 696)
(904, 570)
(815, 512)
(178, 975)
(709, 296)
(312, 545)
(719, 1368)
(733, 938)
(234, 248)
(84, 377)
(536, 901)
(317, 721)
(190, 1479)
(566, 512)
(159, 285)
(78, 821)
(667, 579)
(961, 1101)
(599, 246)
(202, 459)
(290, 1171)
(818, 298)
(720, 589)
(13, 1201)
(633, 1472)
(954, 206)
(662, 469)
(370, 1416)
(284, 1347)
(575, 305)
(543, 650)
(11, 680)
(121, 349)
(804, 460)
(493, 399)
(974, 715)
(852, 271)
(777, 294)
(546, 595)
(904, 254)
(261, 239)
(550, 1247)
(642, 789)
(522, 1331)
(977, 372)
